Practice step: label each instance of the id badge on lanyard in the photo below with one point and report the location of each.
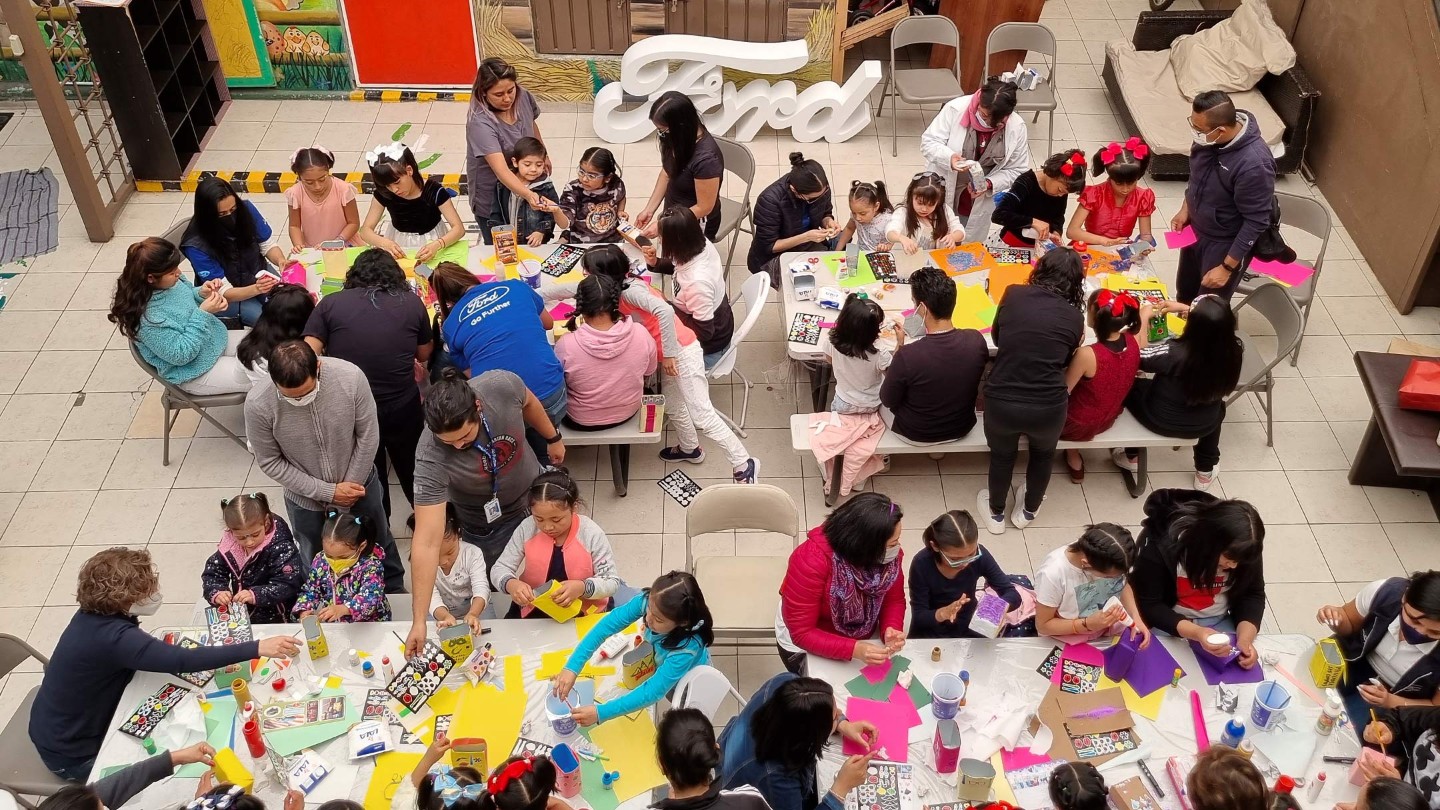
(490, 461)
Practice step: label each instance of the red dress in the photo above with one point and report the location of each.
(1096, 401)
(1108, 220)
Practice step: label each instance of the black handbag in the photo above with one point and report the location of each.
(1270, 245)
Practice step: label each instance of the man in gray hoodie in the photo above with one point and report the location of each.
(1229, 200)
(314, 431)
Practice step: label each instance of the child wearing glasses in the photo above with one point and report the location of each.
(257, 563)
(592, 205)
(943, 577)
(925, 221)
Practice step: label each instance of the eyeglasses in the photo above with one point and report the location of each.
(589, 175)
(961, 563)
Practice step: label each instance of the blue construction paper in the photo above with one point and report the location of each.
(1216, 672)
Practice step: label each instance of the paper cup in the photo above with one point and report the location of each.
(945, 693)
(1271, 699)
(559, 713)
(530, 272)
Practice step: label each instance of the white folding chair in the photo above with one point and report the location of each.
(925, 85)
(1037, 39)
(1273, 303)
(704, 688)
(735, 213)
(755, 293)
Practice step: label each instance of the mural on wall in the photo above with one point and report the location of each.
(236, 32)
(305, 44)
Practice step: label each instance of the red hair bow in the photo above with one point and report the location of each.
(1137, 147)
(1076, 159)
(1115, 302)
(501, 780)
(1109, 153)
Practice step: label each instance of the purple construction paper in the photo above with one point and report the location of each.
(1216, 672)
(1152, 668)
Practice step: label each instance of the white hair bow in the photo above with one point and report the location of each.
(394, 151)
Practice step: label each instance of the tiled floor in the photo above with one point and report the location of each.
(80, 438)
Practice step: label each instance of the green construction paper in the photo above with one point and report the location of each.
(458, 253)
(919, 695)
(104, 772)
(219, 732)
(590, 777)
(429, 161)
(880, 691)
(860, 279)
(400, 132)
(290, 740)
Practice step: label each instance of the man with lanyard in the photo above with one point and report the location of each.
(473, 454)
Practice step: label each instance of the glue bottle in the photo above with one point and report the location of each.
(367, 669)
(1312, 791)
(1246, 749)
(964, 679)
(386, 668)
(1284, 784)
(614, 647)
(1328, 717)
(1234, 730)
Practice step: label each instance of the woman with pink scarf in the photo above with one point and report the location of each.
(843, 595)
(979, 128)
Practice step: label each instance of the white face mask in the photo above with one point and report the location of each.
(1201, 138)
(303, 400)
(891, 553)
(147, 606)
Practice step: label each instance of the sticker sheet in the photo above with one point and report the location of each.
(562, 260)
(421, 677)
(680, 487)
(886, 786)
(199, 679)
(152, 710)
(376, 709)
(1089, 746)
(1078, 678)
(805, 328)
(1047, 667)
(229, 625)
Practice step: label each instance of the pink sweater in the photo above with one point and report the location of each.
(605, 371)
(805, 601)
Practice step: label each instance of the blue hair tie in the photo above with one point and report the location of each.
(450, 790)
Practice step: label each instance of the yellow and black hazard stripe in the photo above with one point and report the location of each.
(258, 182)
(407, 95)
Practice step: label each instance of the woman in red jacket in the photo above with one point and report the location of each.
(844, 585)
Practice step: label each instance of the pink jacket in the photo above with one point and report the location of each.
(605, 371)
(852, 435)
(805, 600)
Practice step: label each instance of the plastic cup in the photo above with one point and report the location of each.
(530, 273)
(1271, 699)
(559, 713)
(945, 693)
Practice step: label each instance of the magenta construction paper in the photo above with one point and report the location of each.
(890, 724)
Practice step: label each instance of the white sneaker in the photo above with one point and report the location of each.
(995, 524)
(1021, 518)
(1123, 461)
(1204, 480)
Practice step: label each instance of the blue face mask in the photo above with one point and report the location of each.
(1412, 635)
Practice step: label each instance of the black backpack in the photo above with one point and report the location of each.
(1269, 245)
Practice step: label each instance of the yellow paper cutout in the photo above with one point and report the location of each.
(552, 662)
(334, 682)
(390, 768)
(544, 602)
(1147, 706)
(444, 701)
(971, 304)
(584, 624)
(628, 744)
(1001, 785)
(492, 714)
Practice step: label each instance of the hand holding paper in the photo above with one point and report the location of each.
(1181, 238)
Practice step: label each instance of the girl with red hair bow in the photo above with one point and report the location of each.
(1100, 375)
(1109, 211)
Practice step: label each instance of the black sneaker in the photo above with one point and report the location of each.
(677, 453)
(748, 474)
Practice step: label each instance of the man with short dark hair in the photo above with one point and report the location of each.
(930, 388)
(314, 431)
(1229, 200)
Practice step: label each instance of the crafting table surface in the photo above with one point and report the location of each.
(529, 639)
(1003, 675)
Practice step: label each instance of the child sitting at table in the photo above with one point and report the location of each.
(689, 757)
(677, 625)
(944, 574)
(1074, 583)
(462, 584)
(1108, 212)
(129, 781)
(556, 543)
(347, 577)
(1100, 375)
(606, 358)
(858, 361)
(1385, 793)
(1078, 786)
(870, 212)
(322, 206)
(533, 226)
(423, 220)
(437, 786)
(1036, 202)
(925, 221)
(257, 563)
(592, 205)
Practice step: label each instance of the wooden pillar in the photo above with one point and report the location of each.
(976, 19)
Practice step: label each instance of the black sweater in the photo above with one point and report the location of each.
(931, 590)
(122, 786)
(1155, 579)
(1416, 747)
(1025, 202)
(741, 798)
(779, 214)
(93, 662)
(932, 384)
(1035, 333)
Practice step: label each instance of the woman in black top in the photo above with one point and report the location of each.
(1037, 200)
(1037, 328)
(793, 213)
(1194, 373)
(691, 165)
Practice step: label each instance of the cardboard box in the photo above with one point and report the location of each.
(1133, 795)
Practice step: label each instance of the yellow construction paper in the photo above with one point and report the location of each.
(390, 768)
(552, 662)
(513, 271)
(545, 602)
(334, 682)
(584, 624)
(1001, 785)
(1148, 706)
(628, 743)
(492, 714)
(971, 306)
(444, 701)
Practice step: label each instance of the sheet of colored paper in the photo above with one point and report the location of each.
(890, 724)
(584, 624)
(1149, 705)
(875, 673)
(1080, 654)
(390, 768)
(1003, 792)
(1005, 276)
(1215, 672)
(1182, 238)
(591, 772)
(492, 714)
(552, 662)
(219, 729)
(1289, 273)
(561, 311)
(900, 698)
(864, 276)
(444, 701)
(628, 744)
(963, 258)
(1153, 667)
(289, 740)
(919, 695)
(523, 254)
(861, 686)
(971, 307)
(1020, 757)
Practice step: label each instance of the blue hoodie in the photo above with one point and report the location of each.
(1231, 191)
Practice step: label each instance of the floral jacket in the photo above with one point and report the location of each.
(273, 572)
(361, 588)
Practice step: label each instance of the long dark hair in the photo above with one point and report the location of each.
(793, 726)
(386, 171)
(492, 71)
(376, 269)
(677, 113)
(859, 528)
(1108, 547)
(597, 295)
(210, 192)
(450, 282)
(1381, 793)
(1061, 272)
(527, 790)
(1423, 594)
(857, 327)
(685, 748)
(930, 187)
(806, 176)
(1208, 529)
(282, 319)
(1210, 368)
(1107, 322)
(677, 597)
(609, 261)
(681, 236)
(145, 261)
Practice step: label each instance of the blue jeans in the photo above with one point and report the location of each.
(76, 773)
(308, 526)
(248, 310)
(554, 406)
(714, 357)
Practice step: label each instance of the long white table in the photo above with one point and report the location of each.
(350, 779)
(1005, 669)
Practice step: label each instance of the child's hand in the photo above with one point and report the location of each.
(333, 613)
(448, 620)
(213, 285)
(1141, 630)
(569, 591)
(909, 245)
(215, 304)
(279, 646)
(1108, 618)
(946, 241)
(535, 239)
(585, 715)
(648, 252)
(1147, 312)
(520, 593)
(294, 800)
(885, 246)
(200, 752)
(245, 598)
(951, 612)
(474, 622)
(207, 783)
(441, 745)
(672, 368)
(221, 599)
(564, 680)
(428, 250)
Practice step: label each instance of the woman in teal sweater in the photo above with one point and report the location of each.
(174, 325)
(677, 626)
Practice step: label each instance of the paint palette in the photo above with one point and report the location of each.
(1012, 255)
(562, 260)
(805, 328)
(375, 709)
(1089, 746)
(887, 785)
(199, 679)
(142, 722)
(421, 677)
(680, 487)
(1047, 667)
(229, 625)
(1077, 678)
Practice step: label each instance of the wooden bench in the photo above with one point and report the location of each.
(1126, 432)
(618, 439)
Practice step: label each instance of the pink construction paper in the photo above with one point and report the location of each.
(561, 311)
(1154, 667)
(875, 673)
(1291, 273)
(900, 698)
(1020, 758)
(1182, 238)
(1080, 654)
(485, 279)
(889, 720)
(827, 324)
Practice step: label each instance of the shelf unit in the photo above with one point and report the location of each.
(162, 79)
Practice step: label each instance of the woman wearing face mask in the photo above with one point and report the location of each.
(1199, 571)
(794, 213)
(981, 128)
(501, 113)
(228, 239)
(1388, 633)
(691, 166)
(843, 595)
(99, 651)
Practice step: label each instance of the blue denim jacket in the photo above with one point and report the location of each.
(528, 220)
(783, 788)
